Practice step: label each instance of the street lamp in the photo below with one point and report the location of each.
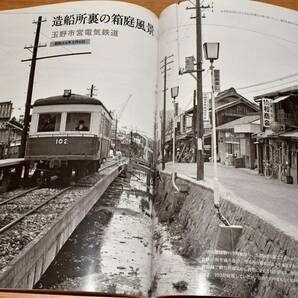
(211, 50)
(174, 94)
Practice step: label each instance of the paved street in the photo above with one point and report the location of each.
(273, 198)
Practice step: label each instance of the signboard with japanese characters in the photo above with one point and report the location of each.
(206, 107)
(267, 112)
(216, 80)
(189, 63)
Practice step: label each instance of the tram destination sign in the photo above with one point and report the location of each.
(69, 42)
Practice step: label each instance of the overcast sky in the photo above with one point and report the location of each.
(119, 66)
(258, 43)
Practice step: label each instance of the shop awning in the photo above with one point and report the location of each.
(281, 98)
(231, 142)
(290, 134)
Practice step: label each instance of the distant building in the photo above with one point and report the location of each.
(10, 132)
(236, 142)
(229, 106)
(278, 140)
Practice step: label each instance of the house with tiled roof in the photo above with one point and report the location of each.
(229, 106)
(278, 139)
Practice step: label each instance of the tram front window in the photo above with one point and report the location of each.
(49, 122)
(78, 122)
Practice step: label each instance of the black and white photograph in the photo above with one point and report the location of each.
(149, 156)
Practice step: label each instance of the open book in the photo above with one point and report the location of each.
(198, 111)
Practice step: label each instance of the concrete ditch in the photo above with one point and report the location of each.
(27, 268)
(192, 216)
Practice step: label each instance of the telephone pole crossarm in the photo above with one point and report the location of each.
(57, 56)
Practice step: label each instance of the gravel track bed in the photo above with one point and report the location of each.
(14, 209)
(12, 193)
(20, 235)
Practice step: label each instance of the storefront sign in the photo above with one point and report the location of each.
(206, 107)
(189, 63)
(267, 112)
(216, 80)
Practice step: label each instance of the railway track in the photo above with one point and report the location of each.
(24, 204)
(5, 201)
(33, 209)
(26, 214)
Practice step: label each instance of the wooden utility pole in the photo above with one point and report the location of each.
(165, 62)
(92, 89)
(199, 110)
(194, 113)
(33, 60)
(30, 88)
(116, 124)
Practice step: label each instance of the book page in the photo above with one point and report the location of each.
(92, 108)
(226, 203)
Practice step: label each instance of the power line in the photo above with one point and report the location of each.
(268, 88)
(178, 38)
(268, 82)
(232, 27)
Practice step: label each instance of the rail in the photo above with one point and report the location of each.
(14, 222)
(17, 220)
(19, 195)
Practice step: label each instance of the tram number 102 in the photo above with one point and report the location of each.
(61, 141)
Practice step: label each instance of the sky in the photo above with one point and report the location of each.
(118, 66)
(258, 43)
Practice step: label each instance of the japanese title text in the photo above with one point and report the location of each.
(96, 18)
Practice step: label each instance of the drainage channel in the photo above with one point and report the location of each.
(120, 247)
(110, 251)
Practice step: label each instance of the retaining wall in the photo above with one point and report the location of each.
(193, 217)
(28, 267)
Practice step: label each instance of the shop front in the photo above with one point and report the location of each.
(278, 157)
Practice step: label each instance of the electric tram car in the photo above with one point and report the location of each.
(69, 134)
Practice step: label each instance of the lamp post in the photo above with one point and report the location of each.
(211, 50)
(174, 94)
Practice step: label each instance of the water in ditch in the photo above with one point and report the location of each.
(112, 250)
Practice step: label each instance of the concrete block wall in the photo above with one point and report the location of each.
(28, 267)
(195, 218)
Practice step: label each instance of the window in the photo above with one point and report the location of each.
(49, 122)
(78, 122)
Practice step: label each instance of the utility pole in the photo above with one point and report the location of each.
(92, 89)
(116, 124)
(194, 126)
(30, 87)
(165, 62)
(199, 110)
(199, 89)
(117, 118)
(33, 60)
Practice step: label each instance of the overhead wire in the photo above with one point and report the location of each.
(178, 37)
(269, 82)
(268, 88)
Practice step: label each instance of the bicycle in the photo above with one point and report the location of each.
(283, 172)
(268, 169)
